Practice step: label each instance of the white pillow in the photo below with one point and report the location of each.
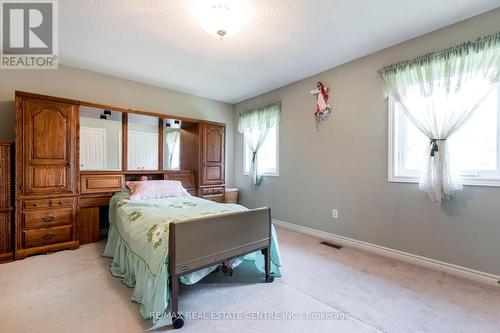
(155, 189)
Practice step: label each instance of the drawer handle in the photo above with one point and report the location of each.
(48, 236)
(36, 205)
(61, 202)
(48, 218)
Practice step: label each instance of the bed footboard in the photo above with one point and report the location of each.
(199, 243)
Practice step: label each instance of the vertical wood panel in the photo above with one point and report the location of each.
(160, 144)
(89, 225)
(124, 141)
(5, 202)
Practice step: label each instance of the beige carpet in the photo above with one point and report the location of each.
(72, 291)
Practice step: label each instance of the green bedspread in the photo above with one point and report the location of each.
(138, 243)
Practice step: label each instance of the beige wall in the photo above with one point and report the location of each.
(344, 165)
(93, 87)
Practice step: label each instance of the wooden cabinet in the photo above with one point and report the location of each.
(212, 157)
(58, 208)
(46, 175)
(49, 147)
(6, 253)
(212, 162)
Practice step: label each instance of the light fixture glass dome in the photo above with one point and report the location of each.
(220, 20)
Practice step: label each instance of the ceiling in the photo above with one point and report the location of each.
(160, 42)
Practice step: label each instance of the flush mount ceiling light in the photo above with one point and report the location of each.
(220, 21)
(221, 18)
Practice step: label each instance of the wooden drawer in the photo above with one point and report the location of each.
(215, 197)
(49, 203)
(62, 203)
(94, 201)
(36, 204)
(46, 217)
(212, 191)
(46, 236)
(102, 183)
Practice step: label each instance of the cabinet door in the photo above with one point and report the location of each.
(49, 146)
(213, 144)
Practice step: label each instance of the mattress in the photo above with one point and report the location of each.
(138, 244)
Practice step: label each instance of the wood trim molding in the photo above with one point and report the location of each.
(23, 253)
(160, 144)
(111, 107)
(124, 141)
(463, 272)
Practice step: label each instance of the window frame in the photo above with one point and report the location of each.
(396, 156)
(265, 174)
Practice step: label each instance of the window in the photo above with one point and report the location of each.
(268, 154)
(171, 148)
(476, 146)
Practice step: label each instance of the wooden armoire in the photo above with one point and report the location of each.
(58, 206)
(46, 176)
(6, 252)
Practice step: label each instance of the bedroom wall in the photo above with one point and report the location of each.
(89, 86)
(344, 165)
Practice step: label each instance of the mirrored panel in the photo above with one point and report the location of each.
(142, 142)
(171, 144)
(100, 139)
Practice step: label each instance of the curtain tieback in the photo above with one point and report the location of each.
(254, 154)
(434, 145)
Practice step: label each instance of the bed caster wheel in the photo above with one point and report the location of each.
(178, 321)
(228, 271)
(270, 278)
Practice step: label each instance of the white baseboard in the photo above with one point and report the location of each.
(460, 271)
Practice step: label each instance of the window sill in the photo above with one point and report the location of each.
(264, 174)
(465, 181)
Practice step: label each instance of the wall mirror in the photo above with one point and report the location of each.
(142, 142)
(100, 139)
(171, 144)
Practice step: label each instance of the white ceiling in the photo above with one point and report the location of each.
(159, 42)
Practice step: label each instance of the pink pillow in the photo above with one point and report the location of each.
(156, 189)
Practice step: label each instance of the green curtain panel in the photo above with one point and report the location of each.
(439, 92)
(255, 126)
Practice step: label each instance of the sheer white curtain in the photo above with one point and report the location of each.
(255, 126)
(439, 92)
(172, 137)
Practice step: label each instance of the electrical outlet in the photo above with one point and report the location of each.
(335, 213)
